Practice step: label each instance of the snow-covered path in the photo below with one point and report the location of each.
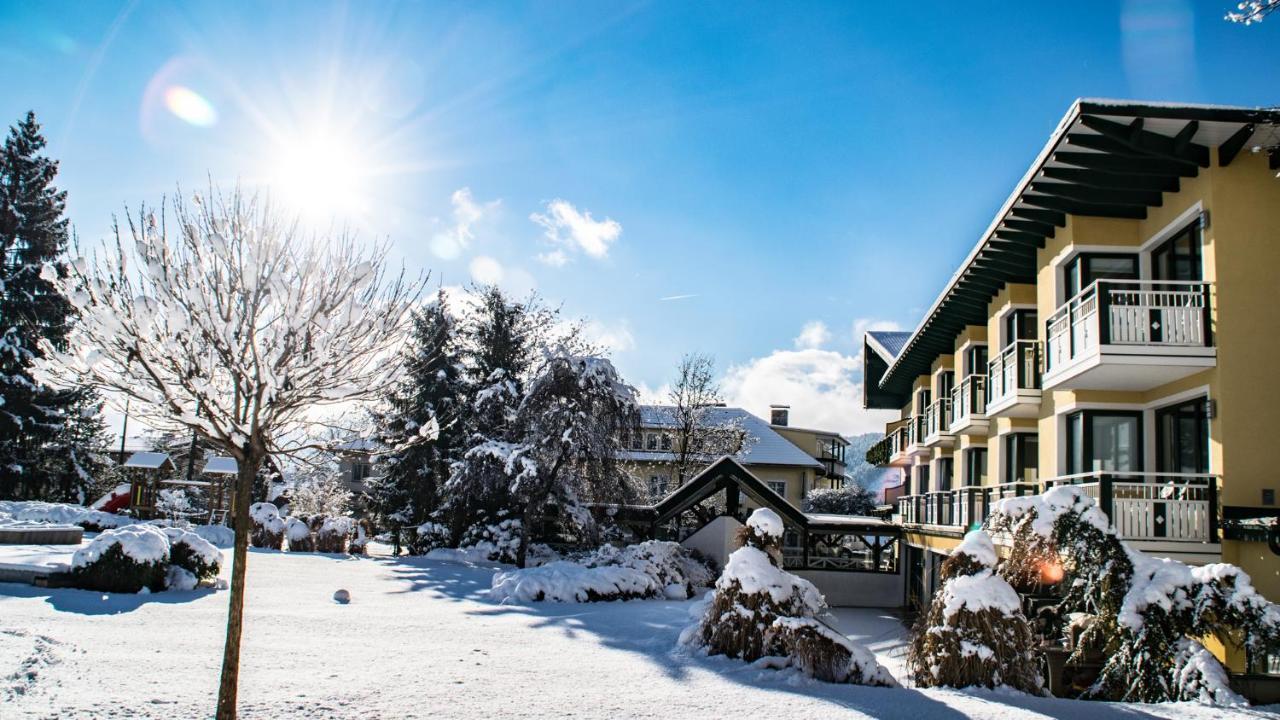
(420, 640)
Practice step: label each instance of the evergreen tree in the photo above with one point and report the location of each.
(428, 403)
(37, 423)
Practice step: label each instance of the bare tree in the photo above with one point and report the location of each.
(701, 436)
(1253, 11)
(237, 327)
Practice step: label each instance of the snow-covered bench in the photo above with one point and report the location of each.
(36, 533)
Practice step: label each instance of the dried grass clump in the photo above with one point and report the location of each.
(825, 655)
(268, 526)
(974, 633)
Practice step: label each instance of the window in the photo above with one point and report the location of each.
(778, 486)
(1179, 257)
(666, 441)
(975, 467)
(1021, 457)
(975, 360)
(1019, 325)
(791, 539)
(1182, 437)
(922, 479)
(657, 486)
(946, 381)
(637, 439)
(1082, 270)
(651, 441)
(361, 470)
(1104, 441)
(945, 468)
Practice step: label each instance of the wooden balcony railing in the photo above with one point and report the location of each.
(1131, 313)
(1017, 367)
(968, 400)
(1153, 506)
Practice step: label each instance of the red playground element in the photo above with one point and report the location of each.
(116, 500)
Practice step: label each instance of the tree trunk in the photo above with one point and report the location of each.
(246, 472)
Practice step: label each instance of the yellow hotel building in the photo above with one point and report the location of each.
(1116, 328)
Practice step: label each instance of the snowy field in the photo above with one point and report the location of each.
(420, 639)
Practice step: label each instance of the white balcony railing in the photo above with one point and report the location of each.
(1015, 368)
(1153, 506)
(1130, 313)
(968, 401)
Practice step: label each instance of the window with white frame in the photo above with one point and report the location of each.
(651, 441)
(658, 486)
(778, 486)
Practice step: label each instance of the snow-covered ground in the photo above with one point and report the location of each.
(420, 639)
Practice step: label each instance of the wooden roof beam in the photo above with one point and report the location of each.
(1131, 165)
(1134, 136)
(1094, 195)
(1104, 180)
(1231, 147)
(1043, 216)
(1075, 207)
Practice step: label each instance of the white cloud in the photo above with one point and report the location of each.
(616, 337)
(864, 325)
(571, 230)
(485, 270)
(823, 388)
(450, 242)
(660, 395)
(813, 336)
(670, 298)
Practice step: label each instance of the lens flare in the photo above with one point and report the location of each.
(1050, 572)
(189, 106)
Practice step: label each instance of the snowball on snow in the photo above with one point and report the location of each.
(755, 574)
(766, 522)
(977, 545)
(141, 543)
(978, 592)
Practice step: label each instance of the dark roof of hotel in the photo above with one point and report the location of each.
(891, 342)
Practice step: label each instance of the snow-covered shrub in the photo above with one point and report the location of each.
(563, 581)
(670, 565)
(297, 533)
(173, 503)
(500, 541)
(1140, 609)
(124, 560)
(268, 526)
(334, 533)
(220, 535)
(427, 537)
(974, 632)
(320, 493)
(189, 551)
(752, 593)
(826, 655)
(848, 500)
(62, 514)
(359, 544)
(653, 569)
(1199, 677)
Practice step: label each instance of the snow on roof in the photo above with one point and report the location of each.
(769, 447)
(148, 460)
(221, 465)
(832, 519)
(888, 343)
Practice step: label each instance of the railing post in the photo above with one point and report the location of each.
(1104, 314)
(1213, 508)
(1207, 332)
(1104, 496)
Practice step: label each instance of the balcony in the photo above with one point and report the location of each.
(1013, 387)
(1154, 507)
(937, 425)
(892, 449)
(1129, 335)
(968, 411)
(960, 510)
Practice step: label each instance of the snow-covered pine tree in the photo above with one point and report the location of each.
(974, 632)
(1138, 612)
(75, 462)
(570, 421)
(37, 423)
(429, 401)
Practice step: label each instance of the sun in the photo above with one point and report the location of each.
(320, 175)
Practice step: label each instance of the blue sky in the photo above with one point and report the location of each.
(717, 176)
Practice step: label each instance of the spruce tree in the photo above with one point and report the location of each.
(36, 422)
(428, 402)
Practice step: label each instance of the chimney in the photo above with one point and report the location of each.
(778, 414)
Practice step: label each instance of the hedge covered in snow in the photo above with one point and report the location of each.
(268, 526)
(652, 569)
(60, 514)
